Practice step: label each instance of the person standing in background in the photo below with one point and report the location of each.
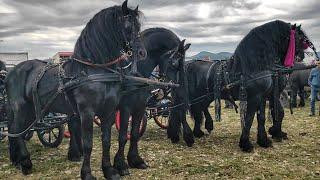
(314, 82)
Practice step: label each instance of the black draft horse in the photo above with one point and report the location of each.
(165, 50)
(108, 37)
(262, 50)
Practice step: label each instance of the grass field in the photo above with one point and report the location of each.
(216, 156)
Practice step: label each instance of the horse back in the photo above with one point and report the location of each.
(23, 77)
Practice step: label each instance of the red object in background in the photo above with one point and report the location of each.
(118, 120)
(66, 134)
(142, 125)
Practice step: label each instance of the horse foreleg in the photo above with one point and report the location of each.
(187, 132)
(19, 154)
(134, 159)
(294, 97)
(301, 95)
(86, 116)
(119, 159)
(107, 120)
(245, 143)
(75, 145)
(198, 118)
(262, 138)
(276, 129)
(208, 122)
(174, 126)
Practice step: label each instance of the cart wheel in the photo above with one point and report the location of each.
(28, 135)
(143, 125)
(162, 121)
(51, 137)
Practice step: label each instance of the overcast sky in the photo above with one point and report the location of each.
(43, 27)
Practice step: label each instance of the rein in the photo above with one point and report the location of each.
(106, 65)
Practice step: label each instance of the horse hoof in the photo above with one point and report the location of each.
(111, 173)
(137, 162)
(174, 140)
(198, 134)
(26, 167)
(209, 130)
(142, 166)
(284, 135)
(277, 138)
(25, 171)
(138, 165)
(189, 140)
(265, 143)
(209, 127)
(121, 166)
(74, 158)
(124, 172)
(246, 146)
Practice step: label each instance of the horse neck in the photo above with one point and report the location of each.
(145, 67)
(234, 66)
(100, 42)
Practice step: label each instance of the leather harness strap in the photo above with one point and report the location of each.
(209, 73)
(115, 61)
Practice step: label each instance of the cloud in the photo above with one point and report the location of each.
(43, 27)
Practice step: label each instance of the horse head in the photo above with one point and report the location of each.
(133, 44)
(112, 35)
(175, 61)
(302, 43)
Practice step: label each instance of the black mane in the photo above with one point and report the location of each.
(102, 39)
(165, 40)
(262, 47)
(160, 33)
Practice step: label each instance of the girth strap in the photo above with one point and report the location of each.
(35, 95)
(209, 73)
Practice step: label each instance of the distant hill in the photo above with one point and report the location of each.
(213, 56)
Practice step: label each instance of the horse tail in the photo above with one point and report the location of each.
(16, 80)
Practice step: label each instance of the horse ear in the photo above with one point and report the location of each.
(187, 46)
(294, 26)
(125, 8)
(299, 27)
(181, 45)
(182, 42)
